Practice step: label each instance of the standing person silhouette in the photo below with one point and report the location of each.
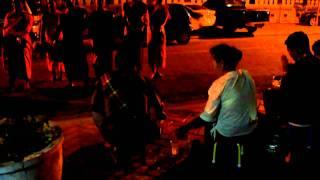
(101, 27)
(136, 14)
(157, 46)
(18, 43)
(300, 91)
(72, 26)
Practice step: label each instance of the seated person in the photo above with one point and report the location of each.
(231, 108)
(122, 110)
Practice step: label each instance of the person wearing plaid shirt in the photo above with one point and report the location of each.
(122, 106)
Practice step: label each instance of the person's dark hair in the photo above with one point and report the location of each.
(228, 55)
(69, 4)
(299, 42)
(17, 4)
(159, 2)
(316, 48)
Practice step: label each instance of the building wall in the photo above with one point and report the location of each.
(116, 2)
(283, 11)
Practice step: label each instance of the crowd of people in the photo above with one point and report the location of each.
(67, 29)
(127, 109)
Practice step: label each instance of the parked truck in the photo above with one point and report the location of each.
(232, 14)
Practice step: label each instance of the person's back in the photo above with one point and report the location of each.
(134, 13)
(73, 24)
(101, 31)
(237, 108)
(101, 28)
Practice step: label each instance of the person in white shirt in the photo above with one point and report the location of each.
(231, 109)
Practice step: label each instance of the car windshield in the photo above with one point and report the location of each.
(193, 13)
(212, 4)
(233, 3)
(195, 7)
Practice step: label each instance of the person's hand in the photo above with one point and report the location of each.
(181, 132)
(284, 62)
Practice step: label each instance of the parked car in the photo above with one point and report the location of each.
(178, 26)
(201, 16)
(232, 14)
(309, 18)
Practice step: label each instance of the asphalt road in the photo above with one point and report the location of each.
(190, 70)
(261, 56)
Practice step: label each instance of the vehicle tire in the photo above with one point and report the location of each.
(183, 37)
(313, 21)
(251, 29)
(229, 29)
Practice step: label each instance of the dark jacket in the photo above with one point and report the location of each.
(301, 90)
(125, 102)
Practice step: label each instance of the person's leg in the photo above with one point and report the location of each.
(160, 54)
(60, 70)
(11, 70)
(84, 68)
(299, 146)
(151, 59)
(68, 67)
(2, 67)
(54, 70)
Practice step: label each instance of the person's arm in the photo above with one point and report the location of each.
(28, 28)
(211, 110)
(193, 124)
(165, 15)
(6, 26)
(284, 63)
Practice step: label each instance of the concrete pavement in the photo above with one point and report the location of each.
(86, 158)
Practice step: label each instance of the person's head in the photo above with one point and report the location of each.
(226, 57)
(154, 2)
(17, 6)
(69, 4)
(316, 48)
(298, 45)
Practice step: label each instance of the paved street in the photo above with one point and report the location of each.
(192, 62)
(261, 55)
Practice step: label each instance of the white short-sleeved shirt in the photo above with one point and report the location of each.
(232, 104)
